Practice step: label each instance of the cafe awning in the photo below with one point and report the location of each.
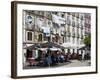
(34, 46)
(51, 45)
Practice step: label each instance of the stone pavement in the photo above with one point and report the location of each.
(72, 63)
(77, 63)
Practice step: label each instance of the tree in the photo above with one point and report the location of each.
(87, 41)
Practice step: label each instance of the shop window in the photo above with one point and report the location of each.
(77, 51)
(73, 50)
(81, 51)
(28, 54)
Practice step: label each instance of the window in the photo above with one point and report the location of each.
(73, 23)
(48, 15)
(81, 17)
(68, 39)
(73, 50)
(55, 13)
(73, 40)
(73, 17)
(40, 37)
(63, 15)
(63, 40)
(29, 36)
(77, 51)
(68, 20)
(68, 13)
(68, 50)
(45, 37)
(77, 15)
(73, 14)
(77, 41)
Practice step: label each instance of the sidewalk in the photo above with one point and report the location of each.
(77, 63)
(72, 63)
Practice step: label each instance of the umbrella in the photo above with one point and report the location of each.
(45, 45)
(55, 49)
(84, 48)
(67, 45)
(42, 49)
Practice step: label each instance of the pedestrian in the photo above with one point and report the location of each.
(69, 57)
(62, 58)
(49, 61)
(83, 56)
(53, 58)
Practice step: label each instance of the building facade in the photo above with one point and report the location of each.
(65, 28)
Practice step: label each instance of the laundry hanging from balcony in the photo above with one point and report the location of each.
(58, 20)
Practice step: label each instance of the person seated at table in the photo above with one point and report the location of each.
(61, 58)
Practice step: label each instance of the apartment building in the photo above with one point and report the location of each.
(64, 28)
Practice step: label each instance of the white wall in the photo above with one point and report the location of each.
(5, 40)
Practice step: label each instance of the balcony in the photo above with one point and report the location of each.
(51, 32)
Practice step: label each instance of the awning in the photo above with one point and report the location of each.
(44, 46)
(42, 49)
(33, 46)
(69, 45)
(84, 48)
(55, 49)
(51, 45)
